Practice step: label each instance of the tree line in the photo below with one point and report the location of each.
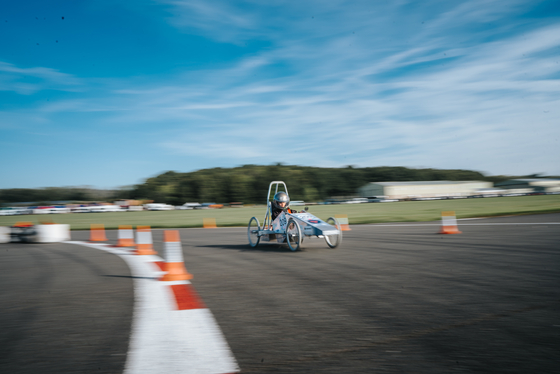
(248, 184)
(50, 195)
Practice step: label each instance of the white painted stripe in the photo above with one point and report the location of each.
(166, 340)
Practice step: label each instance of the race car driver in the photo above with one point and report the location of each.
(280, 203)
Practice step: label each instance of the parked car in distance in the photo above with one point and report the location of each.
(188, 206)
(13, 211)
(209, 206)
(51, 210)
(105, 208)
(380, 199)
(158, 206)
(80, 209)
(426, 198)
(357, 200)
(332, 201)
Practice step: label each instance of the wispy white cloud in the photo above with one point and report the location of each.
(27, 81)
(221, 19)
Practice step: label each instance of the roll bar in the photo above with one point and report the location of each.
(272, 186)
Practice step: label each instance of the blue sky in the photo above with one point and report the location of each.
(108, 93)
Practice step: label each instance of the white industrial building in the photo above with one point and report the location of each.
(531, 185)
(410, 190)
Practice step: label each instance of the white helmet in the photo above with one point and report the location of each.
(281, 197)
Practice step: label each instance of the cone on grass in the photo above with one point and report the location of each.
(343, 221)
(174, 264)
(126, 236)
(449, 223)
(144, 241)
(209, 223)
(97, 233)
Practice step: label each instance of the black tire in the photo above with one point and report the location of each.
(293, 234)
(253, 232)
(334, 241)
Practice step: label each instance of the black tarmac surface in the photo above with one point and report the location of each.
(64, 309)
(392, 299)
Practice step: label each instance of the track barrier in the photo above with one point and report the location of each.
(209, 223)
(449, 223)
(126, 236)
(144, 241)
(5, 236)
(52, 233)
(343, 221)
(174, 263)
(97, 233)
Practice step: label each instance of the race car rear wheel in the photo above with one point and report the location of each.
(253, 232)
(334, 241)
(293, 234)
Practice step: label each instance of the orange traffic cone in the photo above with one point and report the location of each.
(343, 221)
(126, 236)
(144, 240)
(209, 223)
(449, 223)
(97, 233)
(174, 265)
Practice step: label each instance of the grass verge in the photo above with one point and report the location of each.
(411, 211)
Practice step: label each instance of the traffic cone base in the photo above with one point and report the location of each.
(174, 264)
(449, 230)
(144, 249)
(343, 221)
(449, 223)
(144, 240)
(126, 236)
(97, 233)
(175, 271)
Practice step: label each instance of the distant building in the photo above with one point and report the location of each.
(531, 185)
(410, 190)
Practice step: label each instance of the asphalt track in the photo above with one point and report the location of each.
(393, 298)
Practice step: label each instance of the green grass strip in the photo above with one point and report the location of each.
(409, 211)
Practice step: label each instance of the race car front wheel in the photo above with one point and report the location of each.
(293, 234)
(253, 232)
(334, 241)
